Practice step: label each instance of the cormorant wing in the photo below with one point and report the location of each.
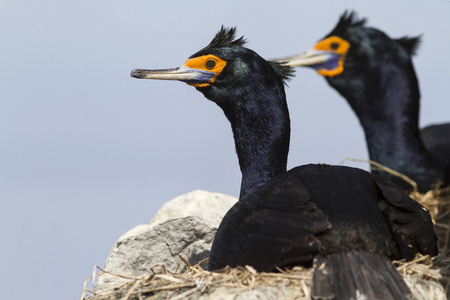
(410, 222)
(273, 226)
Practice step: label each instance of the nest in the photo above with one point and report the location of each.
(428, 278)
(422, 275)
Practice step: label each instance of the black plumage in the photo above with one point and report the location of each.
(377, 78)
(346, 220)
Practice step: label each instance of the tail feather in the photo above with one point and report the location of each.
(357, 275)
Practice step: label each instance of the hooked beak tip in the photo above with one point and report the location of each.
(136, 73)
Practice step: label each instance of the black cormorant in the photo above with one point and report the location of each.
(345, 221)
(376, 76)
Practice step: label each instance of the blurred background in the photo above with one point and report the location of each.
(87, 152)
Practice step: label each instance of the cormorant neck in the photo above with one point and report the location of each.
(262, 145)
(386, 100)
(261, 130)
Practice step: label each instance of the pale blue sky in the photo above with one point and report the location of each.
(87, 152)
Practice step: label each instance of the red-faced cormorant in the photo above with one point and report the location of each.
(376, 76)
(345, 221)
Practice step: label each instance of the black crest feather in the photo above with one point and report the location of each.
(349, 19)
(226, 37)
(410, 44)
(284, 71)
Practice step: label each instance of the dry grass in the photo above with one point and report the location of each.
(197, 281)
(236, 283)
(425, 276)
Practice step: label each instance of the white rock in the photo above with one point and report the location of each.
(184, 226)
(211, 207)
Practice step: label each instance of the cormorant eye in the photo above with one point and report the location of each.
(334, 45)
(210, 63)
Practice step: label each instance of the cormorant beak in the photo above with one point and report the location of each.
(185, 74)
(326, 63)
(312, 58)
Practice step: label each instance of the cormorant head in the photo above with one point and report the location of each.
(250, 92)
(225, 70)
(351, 44)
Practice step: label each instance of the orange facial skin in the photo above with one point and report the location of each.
(337, 45)
(207, 63)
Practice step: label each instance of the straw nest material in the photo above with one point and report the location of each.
(428, 278)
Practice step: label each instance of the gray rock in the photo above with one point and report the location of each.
(184, 226)
(210, 207)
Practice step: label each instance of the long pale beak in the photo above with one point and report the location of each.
(309, 58)
(184, 74)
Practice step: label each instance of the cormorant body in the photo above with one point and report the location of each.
(436, 139)
(345, 221)
(375, 74)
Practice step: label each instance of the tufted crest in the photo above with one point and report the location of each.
(410, 44)
(349, 19)
(284, 71)
(226, 37)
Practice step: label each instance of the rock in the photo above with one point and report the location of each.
(184, 226)
(210, 207)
